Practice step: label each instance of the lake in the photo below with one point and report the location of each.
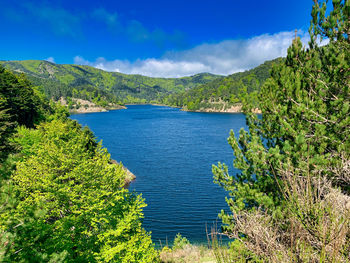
(171, 153)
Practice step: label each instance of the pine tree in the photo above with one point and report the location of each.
(6, 130)
(19, 98)
(305, 120)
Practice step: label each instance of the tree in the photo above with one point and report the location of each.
(20, 104)
(72, 204)
(20, 101)
(305, 122)
(7, 128)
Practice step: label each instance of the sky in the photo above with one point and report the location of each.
(154, 38)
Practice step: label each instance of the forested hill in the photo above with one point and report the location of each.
(223, 93)
(89, 83)
(202, 91)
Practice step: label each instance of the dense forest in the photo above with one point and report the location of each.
(101, 87)
(105, 89)
(223, 92)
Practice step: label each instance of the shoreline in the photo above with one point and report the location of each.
(95, 110)
(257, 111)
(80, 106)
(129, 176)
(231, 110)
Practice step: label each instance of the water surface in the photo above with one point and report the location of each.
(171, 153)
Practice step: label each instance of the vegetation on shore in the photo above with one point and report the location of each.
(202, 92)
(290, 202)
(84, 106)
(99, 86)
(182, 251)
(62, 197)
(223, 94)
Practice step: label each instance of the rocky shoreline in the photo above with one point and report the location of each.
(81, 106)
(223, 109)
(129, 176)
(96, 109)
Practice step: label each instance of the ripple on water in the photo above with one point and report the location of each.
(171, 153)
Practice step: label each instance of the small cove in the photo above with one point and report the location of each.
(171, 153)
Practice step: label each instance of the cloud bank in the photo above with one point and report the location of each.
(222, 58)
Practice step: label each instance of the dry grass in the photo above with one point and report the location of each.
(315, 226)
(188, 254)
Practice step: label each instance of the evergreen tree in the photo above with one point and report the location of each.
(19, 98)
(305, 122)
(7, 128)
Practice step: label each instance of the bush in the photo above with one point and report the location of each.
(180, 242)
(71, 201)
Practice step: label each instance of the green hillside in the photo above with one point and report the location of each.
(89, 83)
(222, 91)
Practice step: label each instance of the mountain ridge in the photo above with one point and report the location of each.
(224, 94)
(200, 92)
(60, 79)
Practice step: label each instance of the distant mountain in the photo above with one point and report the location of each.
(89, 83)
(222, 92)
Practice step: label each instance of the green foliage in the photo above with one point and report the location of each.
(71, 201)
(236, 252)
(305, 112)
(101, 87)
(239, 253)
(20, 104)
(305, 124)
(222, 92)
(62, 199)
(7, 128)
(180, 242)
(19, 99)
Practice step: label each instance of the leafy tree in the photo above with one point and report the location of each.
(305, 122)
(71, 201)
(21, 104)
(62, 200)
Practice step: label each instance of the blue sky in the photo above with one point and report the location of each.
(155, 38)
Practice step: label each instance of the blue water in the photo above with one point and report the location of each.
(171, 153)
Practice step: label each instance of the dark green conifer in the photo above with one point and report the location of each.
(305, 120)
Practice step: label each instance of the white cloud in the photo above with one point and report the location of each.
(50, 59)
(223, 58)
